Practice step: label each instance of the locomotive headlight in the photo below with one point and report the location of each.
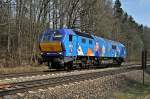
(60, 53)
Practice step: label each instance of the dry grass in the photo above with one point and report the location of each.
(134, 88)
(134, 91)
(22, 69)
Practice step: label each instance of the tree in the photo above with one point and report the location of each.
(22, 21)
(117, 9)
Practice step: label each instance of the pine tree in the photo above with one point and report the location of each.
(125, 18)
(117, 9)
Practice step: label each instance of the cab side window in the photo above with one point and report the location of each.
(114, 47)
(70, 38)
(83, 40)
(90, 42)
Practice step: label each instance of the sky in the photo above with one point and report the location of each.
(139, 9)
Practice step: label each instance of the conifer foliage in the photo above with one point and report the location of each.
(22, 22)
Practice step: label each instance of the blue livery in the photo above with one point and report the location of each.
(67, 48)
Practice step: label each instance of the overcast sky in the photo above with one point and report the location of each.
(139, 9)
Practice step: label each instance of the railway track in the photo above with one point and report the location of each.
(3, 76)
(16, 75)
(52, 82)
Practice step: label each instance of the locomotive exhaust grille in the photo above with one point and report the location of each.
(51, 47)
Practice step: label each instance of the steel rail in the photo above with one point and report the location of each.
(3, 76)
(52, 82)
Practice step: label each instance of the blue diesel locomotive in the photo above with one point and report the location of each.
(66, 48)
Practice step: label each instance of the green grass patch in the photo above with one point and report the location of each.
(134, 90)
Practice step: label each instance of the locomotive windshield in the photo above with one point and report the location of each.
(46, 38)
(50, 36)
(57, 36)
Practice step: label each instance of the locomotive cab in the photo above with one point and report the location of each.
(51, 42)
(51, 47)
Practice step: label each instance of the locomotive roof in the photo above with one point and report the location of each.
(113, 42)
(83, 34)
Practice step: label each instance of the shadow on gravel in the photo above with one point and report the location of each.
(53, 70)
(108, 66)
(102, 66)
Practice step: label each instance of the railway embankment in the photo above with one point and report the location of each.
(108, 87)
(134, 88)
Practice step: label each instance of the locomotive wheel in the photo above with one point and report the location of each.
(87, 66)
(49, 65)
(68, 66)
(65, 67)
(119, 63)
(80, 65)
(55, 65)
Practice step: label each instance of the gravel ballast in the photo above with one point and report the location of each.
(100, 88)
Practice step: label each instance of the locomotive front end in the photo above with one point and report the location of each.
(51, 48)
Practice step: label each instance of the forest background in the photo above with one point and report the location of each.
(23, 21)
